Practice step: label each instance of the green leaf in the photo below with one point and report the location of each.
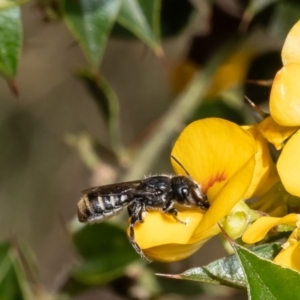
(267, 278)
(29, 260)
(185, 288)
(227, 270)
(13, 283)
(166, 18)
(142, 18)
(108, 104)
(90, 21)
(217, 108)
(10, 41)
(285, 16)
(106, 252)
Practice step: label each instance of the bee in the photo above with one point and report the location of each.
(159, 192)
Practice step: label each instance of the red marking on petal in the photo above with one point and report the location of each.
(217, 178)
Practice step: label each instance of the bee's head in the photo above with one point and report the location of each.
(188, 193)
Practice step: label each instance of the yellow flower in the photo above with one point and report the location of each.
(232, 72)
(274, 202)
(285, 110)
(274, 133)
(272, 196)
(219, 155)
(282, 130)
(265, 173)
(164, 239)
(289, 255)
(291, 49)
(285, 95)
(288, 165)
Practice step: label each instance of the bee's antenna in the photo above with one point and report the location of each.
(180, 164)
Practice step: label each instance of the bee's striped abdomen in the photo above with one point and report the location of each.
(97, 207)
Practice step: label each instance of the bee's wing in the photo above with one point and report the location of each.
(112, 189)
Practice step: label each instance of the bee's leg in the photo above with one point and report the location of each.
(129, 210)
(170, 210)
(136, 218)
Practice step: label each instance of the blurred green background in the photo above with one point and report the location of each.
(55, 137)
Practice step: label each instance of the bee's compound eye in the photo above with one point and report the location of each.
(185, 191)
(159, 192)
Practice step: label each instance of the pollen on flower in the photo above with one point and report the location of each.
(187, 221)
(285, 245)
(295, 237)
(144, 214)
(212, 180)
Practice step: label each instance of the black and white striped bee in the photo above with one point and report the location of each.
(159, 192)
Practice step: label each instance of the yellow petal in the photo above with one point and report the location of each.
(265, 173)
(288, 165)
(229, 195)
(232, 72)
(162, 238)
(160, 229)
(260, 227)
(274, 202)
(173, 252)
(220, 156)
(291, 49)
(285, 96)
(275, 134)
(289, 257)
